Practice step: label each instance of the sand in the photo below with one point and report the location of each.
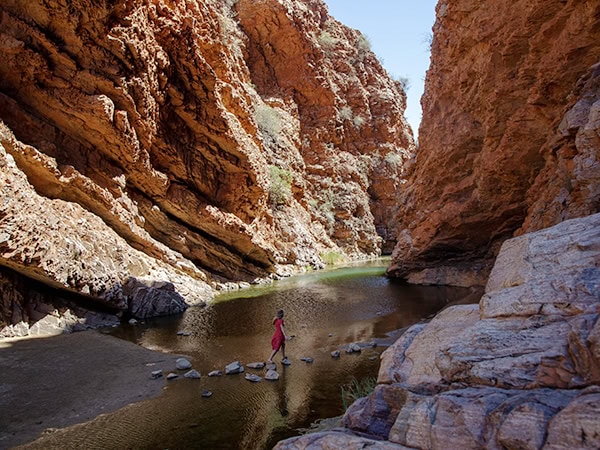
(55, 382)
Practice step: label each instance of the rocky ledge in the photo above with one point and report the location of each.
(519, 370)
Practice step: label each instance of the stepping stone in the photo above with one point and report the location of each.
(272, 375)
(234, 367)
(172, 376)
(271, 366)
(353, 348)
(307, 359)
(192, 374)
(156, 374)
(286, 362)
(183, 364)
(256, 365)
(215, 373)
(252, 377)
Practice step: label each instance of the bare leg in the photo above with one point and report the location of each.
(270, 360)
(282, 351)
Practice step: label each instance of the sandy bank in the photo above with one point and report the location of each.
(63, 380)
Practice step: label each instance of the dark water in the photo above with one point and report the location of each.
(353, 304)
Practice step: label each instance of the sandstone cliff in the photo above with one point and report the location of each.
(509, 137)
(519, 370)
(156, 149)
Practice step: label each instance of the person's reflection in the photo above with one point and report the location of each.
(282, 396)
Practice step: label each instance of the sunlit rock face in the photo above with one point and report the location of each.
(191, 143)
(509, 138)
(519, 370)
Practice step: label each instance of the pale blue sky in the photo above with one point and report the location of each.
(398, 31)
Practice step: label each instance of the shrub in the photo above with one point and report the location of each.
(268, 120)
(357, 389)
(345, 113)
(280, 191)
(363, 43)
(327, 40)
(330, 258)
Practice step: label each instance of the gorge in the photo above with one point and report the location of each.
(155, 152)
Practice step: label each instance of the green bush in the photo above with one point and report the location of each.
(280, 191)
(330, 258)
(357, 389)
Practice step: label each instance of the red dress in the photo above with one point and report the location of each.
(278, 338)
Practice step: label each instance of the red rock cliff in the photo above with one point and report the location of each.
(509, 138)
(190, 142)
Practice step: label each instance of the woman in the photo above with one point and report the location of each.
(279, 338)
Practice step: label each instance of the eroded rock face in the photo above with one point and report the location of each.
(206, 140)
(509, 138)
(519, 370)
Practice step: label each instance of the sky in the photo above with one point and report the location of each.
(399, 32)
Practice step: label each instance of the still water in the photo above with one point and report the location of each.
(324, 311)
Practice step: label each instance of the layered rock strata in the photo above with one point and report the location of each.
(184, 144)
(509, 138)
(519, 370)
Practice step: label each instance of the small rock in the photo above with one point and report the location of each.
(271, 366)
(192, 374)
(215, 373)
(307, 359)
(132, 321)
(330, 334)
(353, 348)
(252, 377)
(256, 365)
(286, 362)
(156, 374)
(183, 364)
(234, 367)
(272, 375)
(206, 393)
(172, 376)
(335, 354)
(184, 333)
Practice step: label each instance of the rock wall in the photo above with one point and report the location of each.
(185, 144)
(509, 138)
(519, 370)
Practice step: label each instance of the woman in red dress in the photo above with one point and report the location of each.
(279, 338)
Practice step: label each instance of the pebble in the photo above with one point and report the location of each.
(307, 359)
(215, 373)
(172, 376)
(156, 374)
(184, 333)
(335, 354)
(206, 394)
